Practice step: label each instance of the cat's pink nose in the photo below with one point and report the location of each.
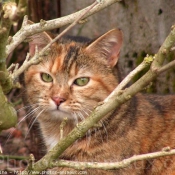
(58, 100)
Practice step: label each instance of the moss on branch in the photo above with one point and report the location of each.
(8, 116)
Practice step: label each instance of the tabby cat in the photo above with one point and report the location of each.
(71, 80)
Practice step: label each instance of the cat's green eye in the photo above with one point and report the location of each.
(81, 81)
(46, 77)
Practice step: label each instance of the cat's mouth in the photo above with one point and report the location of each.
(59, 109)
(60, 112)
(56, 107)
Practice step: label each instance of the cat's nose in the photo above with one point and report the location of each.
(58, 100)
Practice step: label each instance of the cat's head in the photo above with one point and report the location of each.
(73, 77)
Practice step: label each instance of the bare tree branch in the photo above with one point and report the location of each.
(26, 64)
(114, 165)
(28, 30)
(166, 67)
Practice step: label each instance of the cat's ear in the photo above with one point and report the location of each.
(107, 46)
(40, 40)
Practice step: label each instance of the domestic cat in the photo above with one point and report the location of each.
(71, 80)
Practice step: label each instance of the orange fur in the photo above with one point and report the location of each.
(142, 125)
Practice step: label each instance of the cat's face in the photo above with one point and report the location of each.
(73, 78)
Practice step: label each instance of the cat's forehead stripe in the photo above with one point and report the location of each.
(57, 64)
(65, 59)
(70, 57)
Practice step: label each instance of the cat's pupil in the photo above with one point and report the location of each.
(81, 81)
(46, 77)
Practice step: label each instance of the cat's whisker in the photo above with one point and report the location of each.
(85, 112)
(27, 106)
(88, 111)
(88, 137)
(101, 134)
(105, 129)
(8, 137)
(31, 125)
(95, 131)
(102, 131)
(80, 115)
(75, 118)
(88, 133)
(75, 115)
(26, 116)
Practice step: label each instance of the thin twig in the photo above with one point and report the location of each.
(166, 67)
(11, 157)
(112, 165)
(31, 162)
(62, 125)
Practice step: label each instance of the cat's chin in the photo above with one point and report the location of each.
(60, 115)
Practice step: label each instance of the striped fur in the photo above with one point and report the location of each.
(144, 124)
